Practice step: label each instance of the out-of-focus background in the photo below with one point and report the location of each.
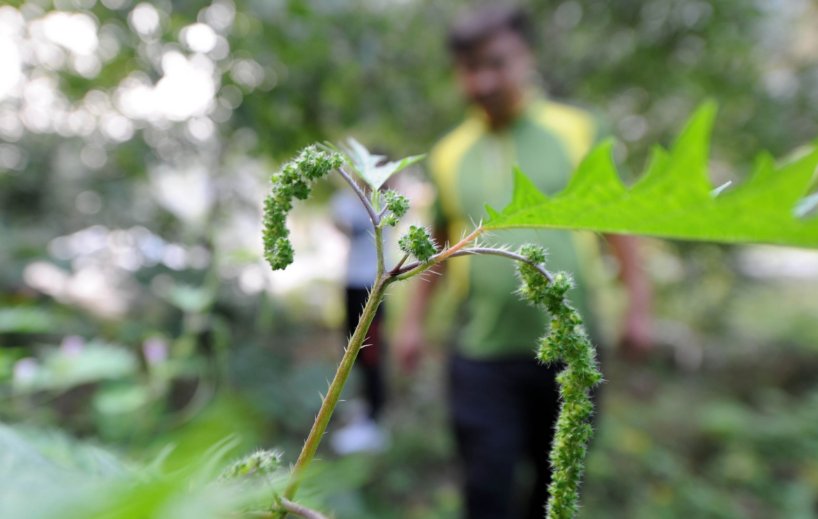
(137, 141)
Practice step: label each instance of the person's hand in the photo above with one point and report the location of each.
(409, 347)
(636, 341)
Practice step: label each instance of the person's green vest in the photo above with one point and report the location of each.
(473, 166)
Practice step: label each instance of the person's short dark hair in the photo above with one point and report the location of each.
(472, 28)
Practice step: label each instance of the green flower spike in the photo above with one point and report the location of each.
(292, 181)
(418, 243)
(397, 205)
(568, 343)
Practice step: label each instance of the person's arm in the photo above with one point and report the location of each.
(410, 339)
(637, 336)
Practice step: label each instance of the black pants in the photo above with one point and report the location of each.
(369, 361)
(504, 413)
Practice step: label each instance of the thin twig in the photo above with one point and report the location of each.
(481, 250)
(376, 219)
(507, 254)
(303, 511)
(400, 264)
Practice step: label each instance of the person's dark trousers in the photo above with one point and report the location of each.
(369, 361)
(503, 412)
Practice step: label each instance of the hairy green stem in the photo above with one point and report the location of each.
(336, 387)
(379, 250)
(474, 251)
(355, 343)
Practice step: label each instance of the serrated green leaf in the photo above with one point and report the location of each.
(675, 198)
(372, 168)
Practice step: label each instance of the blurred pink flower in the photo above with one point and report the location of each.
(72, 345)
(155, 351)
(25, 370)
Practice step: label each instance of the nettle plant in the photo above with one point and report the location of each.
(673, 199)
(566, 340)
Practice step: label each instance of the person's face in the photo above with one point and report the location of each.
(495, 75)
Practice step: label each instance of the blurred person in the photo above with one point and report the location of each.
(503, 402)
(362, 433)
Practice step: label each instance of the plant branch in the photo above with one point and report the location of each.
(336, 386)
(303, 511)
(373, 216)
(506, 254)
(417, 267)
(379, 250)
(396, 269)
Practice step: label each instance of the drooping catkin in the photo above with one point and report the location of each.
(293, 180)
(566, 342)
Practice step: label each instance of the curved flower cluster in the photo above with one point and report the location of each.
(566, 342)
(396, 204)
(292, 181)
(418, 243)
